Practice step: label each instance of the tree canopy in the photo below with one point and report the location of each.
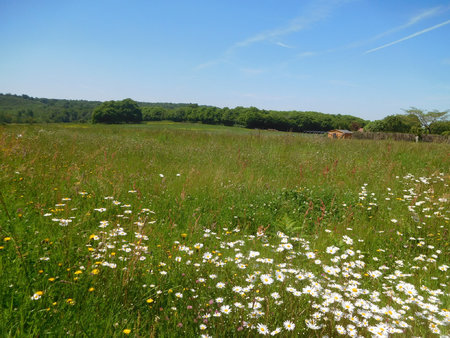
(415, 121)
(125, 111)
(425, 118)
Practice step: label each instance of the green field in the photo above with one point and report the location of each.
(173, 229)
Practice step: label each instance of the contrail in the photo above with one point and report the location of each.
(409, 37)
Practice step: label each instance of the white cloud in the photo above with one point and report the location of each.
(315, 14)
(282, 45)
(320, 11)
(425, 14)
(409, 37)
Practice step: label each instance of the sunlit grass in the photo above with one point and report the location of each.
(119, 230)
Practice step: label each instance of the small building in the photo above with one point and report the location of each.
(340, 133)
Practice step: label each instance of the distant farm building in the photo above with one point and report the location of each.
(340, 133)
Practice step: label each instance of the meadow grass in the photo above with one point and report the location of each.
(174, 229)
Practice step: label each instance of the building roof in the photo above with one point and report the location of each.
(344, 131)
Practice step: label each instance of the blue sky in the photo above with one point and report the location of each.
(365, 58)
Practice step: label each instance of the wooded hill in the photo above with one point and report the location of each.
(26, 109)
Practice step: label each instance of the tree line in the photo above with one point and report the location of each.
(252, 117)
(414, 121)
(26, 109)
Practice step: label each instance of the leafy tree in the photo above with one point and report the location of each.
(396, 124)
(354, 126)
(253, 118)
(228, 117)
(427, 118)
(440, 127)
(5, 118)
(125, 111)
(375, 126)
(130, 111)
(154, 113)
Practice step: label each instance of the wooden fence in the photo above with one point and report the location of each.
(400, 137)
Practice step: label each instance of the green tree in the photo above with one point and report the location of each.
(427, 118)
(354, 126)
(396, 124)
(125, 111)
(440, 127)
(228, 116)
(154, 113)
(375, 126)
(130, 111)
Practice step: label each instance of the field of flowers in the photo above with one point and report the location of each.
(160, 231)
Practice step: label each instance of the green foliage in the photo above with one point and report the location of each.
(425, 118)
(153, 113)
(394, 123)
(440, 127)
(290, 226)
(112, 112)
(376, 126)
(254, 118)
(25, 109)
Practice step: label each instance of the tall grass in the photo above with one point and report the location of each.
(170, 182)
